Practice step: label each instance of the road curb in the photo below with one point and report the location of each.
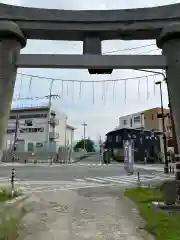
(16, 200)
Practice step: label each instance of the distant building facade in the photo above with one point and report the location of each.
(144, 144)
(38, 129)
(149, 120)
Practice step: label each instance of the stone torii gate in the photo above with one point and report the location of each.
(17, 24)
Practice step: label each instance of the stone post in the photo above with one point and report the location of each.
(11, 42)
(169, 42)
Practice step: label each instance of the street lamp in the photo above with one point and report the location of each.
(166, 168)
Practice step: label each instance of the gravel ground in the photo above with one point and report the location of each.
(92, 214)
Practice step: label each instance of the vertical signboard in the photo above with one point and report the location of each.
(128, 156)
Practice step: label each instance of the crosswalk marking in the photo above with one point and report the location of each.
(117, 180)
(127, 180)
(110, 179)
(96, 180)
(29, 186)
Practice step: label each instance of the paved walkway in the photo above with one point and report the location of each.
(91, 214)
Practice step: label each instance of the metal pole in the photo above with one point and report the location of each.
(12, 182)
(166, 169)
(16, 130)
(84, 125)
(49, 105)
(65, 140)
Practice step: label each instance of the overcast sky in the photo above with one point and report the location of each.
(99, 105)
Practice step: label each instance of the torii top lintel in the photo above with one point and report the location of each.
(74, 25)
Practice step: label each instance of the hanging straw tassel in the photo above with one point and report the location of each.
(139, 89)
(154, 81)
(21, 85)
(62, 89)
(147, 87)
(80, 89)
(113, 90)
(30, 86)
(125, 91)
(73, 91)
(93, 92)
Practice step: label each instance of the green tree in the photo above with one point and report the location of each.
(89, 145)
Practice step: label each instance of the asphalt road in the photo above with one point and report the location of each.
(89, 167)
(86, 173)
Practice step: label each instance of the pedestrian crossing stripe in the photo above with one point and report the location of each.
(126, 180)
(28, 186)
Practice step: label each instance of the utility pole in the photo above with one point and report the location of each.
(50, 97)
(65, 141)
(84, 135)
(166, 168)
(15, 137)
(16, 130)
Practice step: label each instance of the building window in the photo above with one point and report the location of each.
(10, 131)
(137, 119)
(110, 138)
(39, 144)
(131, 122)
(118, 138)
(125, 122)
(31, 130)
(24, 116)
(30, 147)
(152, 117)
(28, 123)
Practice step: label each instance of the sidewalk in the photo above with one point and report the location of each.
(93, 214)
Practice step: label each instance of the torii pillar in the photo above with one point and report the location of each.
(11, 41)
(169, 42)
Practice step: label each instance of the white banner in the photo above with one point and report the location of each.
(128, 156)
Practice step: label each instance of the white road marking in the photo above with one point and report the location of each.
(127, 180)
(96, 180)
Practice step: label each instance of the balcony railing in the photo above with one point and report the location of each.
(54, 121)
(53, 135)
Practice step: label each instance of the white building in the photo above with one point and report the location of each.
(135, 121)
(39, 129)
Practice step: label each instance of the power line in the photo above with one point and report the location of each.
(128, 49)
